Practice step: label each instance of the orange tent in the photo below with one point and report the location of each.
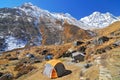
(54, 69)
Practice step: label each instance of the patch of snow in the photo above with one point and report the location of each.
(36, 23)
(29, 19)
(13, 43)
(1, 36)
(3, 15)
(19, 12)
(91, 33)
(17, 17)
(66, 17)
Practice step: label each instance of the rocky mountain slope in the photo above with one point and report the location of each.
(23, 26)
(56, 28)
(17, 29)
(29, 25)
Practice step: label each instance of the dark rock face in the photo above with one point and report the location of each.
(16, 24)
(2, 44)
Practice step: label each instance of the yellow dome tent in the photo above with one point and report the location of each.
(54, 69)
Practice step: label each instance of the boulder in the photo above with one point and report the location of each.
(77, 43)
(23, 69)
(7, 76)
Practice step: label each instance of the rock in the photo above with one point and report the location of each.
(82, 49)
(23, 69)
(44, 52)
(29, 55)
(12, 58)
(117, 43)
(87, 65)
(6, 76)
(1, 74)
(100, 40)
(77, 43)
(78, 56)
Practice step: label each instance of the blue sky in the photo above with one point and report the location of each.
(77, 8)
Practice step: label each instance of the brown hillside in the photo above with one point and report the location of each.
(103, 56)
(72, 33)
(59, 33)
(111, 30)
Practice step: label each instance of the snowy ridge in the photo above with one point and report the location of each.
(37, 12)
(98, 20)
(32, 10)
(94, 21)
(66, 17)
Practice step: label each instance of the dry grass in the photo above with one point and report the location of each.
(106, 31)
(92, 73)
(114, 63)
(39, 76)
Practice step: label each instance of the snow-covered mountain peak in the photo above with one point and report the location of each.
(27, 4)
(96, 13)
(38, 13)
(98, 20)
(93, 21)
(32, 10)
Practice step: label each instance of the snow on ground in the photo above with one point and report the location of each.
(13, 43)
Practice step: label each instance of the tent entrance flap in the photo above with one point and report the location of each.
(54, 74)
(60, 69)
